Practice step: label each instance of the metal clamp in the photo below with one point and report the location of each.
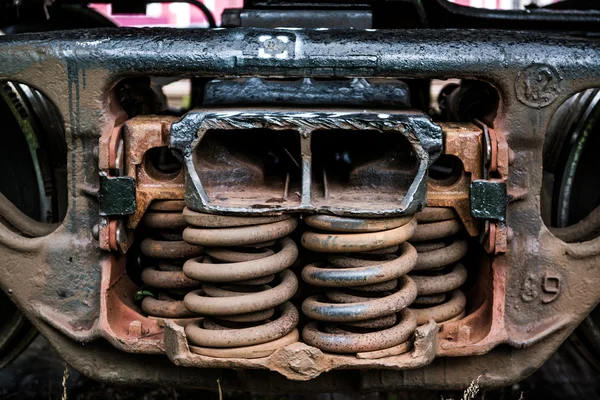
(423, 141)
(489, 197)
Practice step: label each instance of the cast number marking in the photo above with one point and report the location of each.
(538, 85)
(546, 288)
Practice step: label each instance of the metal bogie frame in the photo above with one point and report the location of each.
(542, 287)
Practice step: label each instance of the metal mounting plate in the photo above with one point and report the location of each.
(423, 138)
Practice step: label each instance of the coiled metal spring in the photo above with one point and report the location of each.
(168, 252)
(364, 309)
(246, 284)
(438, 274)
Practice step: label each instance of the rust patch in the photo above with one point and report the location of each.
(140, 135)
(299, 361)
(465, 142)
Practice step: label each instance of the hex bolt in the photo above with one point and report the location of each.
(512, 156)
(135, 328)
(464, 333)
(119, 162)
(510, 234)
(116, 152)
(121, 235)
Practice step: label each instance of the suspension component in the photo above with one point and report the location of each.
(438, 273)
(168, 251)
(364, 307)
(245, 284)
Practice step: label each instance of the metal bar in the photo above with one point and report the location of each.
(282, 52)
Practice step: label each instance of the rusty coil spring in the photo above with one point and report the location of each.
(168, 252)
(245, 284)
(438, 273)
(364, 308)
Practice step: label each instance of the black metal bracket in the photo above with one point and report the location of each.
(117, 195)
(489, 199)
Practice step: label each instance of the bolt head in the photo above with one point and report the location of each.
(511, 157)
(510, 234)
(121, 233)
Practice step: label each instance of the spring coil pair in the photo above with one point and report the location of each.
(438, 273)
(167, 251)
(245, 284)
(372, 275)
(394, 274)
(364, 308)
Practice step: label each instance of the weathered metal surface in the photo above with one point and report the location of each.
(164, 277)
(142, 134)
(245, 292)
(74, 293)
(490, 197)
(380, 291)
(463, 141)
(241, 266)
(355, 93)
(116, 195)
(204, 192)
(489, 200)
(438, 273)
(587, 228)
(301, 362)
(21, 222)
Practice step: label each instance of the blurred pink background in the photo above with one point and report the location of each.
(179, 15)
(183, 15)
